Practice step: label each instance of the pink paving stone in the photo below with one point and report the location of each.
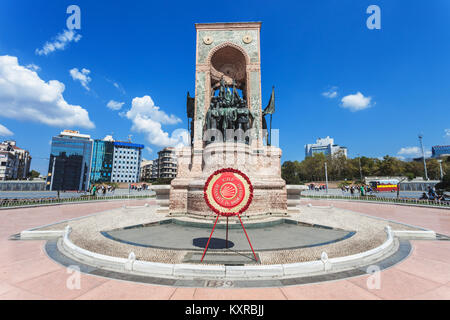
(430, 218)
(113, 289)
(19, 294)
(18, 220)
(183, 294)
(434, 250)
(428, 269)
(5, 287)
(441, 293)
(27, 269)
(334, 290)
(239, 294)
(57, 281)
(12, 251)
(396, 284)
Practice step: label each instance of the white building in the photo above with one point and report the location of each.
(155, 169)
(325, 146)
(126, 162)
(14, 161)
(167, 163)
(146, 170)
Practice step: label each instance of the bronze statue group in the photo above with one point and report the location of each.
(228, 117)
(228, 111)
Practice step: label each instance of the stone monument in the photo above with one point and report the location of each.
(227, 125)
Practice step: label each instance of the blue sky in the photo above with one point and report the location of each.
(398, 76)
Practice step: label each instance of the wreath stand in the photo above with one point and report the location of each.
(226, 241)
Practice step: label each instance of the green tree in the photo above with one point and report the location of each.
(433, 170)
(444, 184)
(289, 172)
(33, 174)
(391, 166)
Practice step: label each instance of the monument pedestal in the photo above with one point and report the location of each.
(261, 165)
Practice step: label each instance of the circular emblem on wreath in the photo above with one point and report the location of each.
(228, 192)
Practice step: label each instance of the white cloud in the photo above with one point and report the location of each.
(116, 85)
(59, 42)
(145, 107)
(115, 105)
(25, 96)
(82, 76)
(148, 119)
(356, 102)
(149, 150)
(413, 152)
(330, 93)
(447, 133)
(33, 67)
(5, 132)
(410, 151)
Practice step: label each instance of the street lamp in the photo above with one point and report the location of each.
(326, 177)
(423, 156)
(360, 169)
(440, 167)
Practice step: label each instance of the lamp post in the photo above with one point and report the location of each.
(326, 178)
(360, 169)
(440, 167)
(423, 156)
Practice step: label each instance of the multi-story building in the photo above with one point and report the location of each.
(8, 165)
(325, 146)
(167, 163)
(14, 161)
(146, 170)
(126, 162)
(155, 169)
(440, 151)
(102, 160)
(70, 161)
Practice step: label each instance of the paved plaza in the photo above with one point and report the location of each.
(68, 194)
(27, 273)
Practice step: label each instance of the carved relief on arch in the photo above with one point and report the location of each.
(228, 61)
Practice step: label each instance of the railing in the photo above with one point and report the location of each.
(10, 203)
(411, 201)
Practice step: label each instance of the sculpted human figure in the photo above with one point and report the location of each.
(212, 115)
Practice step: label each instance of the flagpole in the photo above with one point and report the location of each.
(270, 141)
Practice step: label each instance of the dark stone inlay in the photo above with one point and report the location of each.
(214, 243)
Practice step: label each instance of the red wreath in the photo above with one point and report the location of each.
(213, 208)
